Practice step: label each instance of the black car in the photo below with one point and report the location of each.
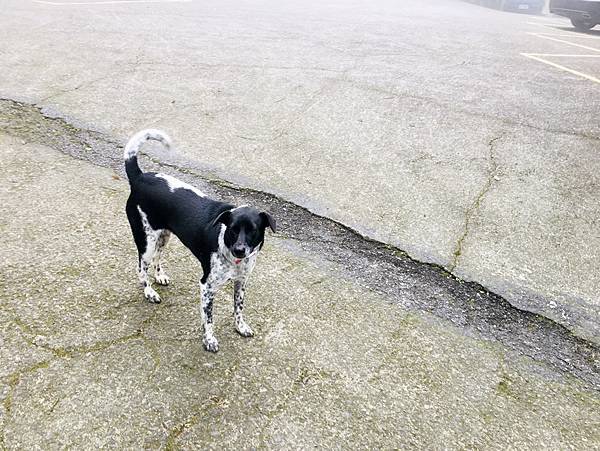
(584, 14)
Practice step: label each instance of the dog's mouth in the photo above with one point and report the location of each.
(238, 256)
(239, 252)
(237, 259)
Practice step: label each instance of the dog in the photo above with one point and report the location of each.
(224, 238)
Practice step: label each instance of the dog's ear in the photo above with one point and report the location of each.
(268, 220)
(223, 218)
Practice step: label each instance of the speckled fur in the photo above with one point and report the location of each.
(223, 269)
(154, 245)
(160, 276)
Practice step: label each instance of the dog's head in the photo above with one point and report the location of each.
(245, 230)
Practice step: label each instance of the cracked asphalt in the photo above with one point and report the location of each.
(377, 114)
(405, 149)
(87, 363)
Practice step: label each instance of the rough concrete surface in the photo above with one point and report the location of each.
(419, 124)
(377, 266)
(410, 131)
(87, 363)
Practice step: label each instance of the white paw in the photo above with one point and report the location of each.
(210, 343)
(243, 329)
(151, 295)
(162, 279)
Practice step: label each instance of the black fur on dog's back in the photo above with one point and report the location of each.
(182, 211)
(172, 205)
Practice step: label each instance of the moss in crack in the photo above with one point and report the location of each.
(62, 352)
(305, 377)
(178, 430)
(191, 421)
(28, 334)
(175, 432)
(14, 380)
(474, 207)
(153, 351)
(504, 385)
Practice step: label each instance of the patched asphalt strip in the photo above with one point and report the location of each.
(382, 268)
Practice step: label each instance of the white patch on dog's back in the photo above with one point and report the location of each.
(178, 184)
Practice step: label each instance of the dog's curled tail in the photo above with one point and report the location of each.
(133, 146)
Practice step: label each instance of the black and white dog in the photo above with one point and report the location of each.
(225, 239)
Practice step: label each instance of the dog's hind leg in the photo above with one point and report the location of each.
(145, 239)
(145, 261)
(160, 276)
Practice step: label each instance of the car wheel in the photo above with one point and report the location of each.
(582, 25)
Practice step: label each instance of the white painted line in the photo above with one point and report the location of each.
(109, 2)
(561, 55)
(558, 66)
(571, 35)
(549, 24)
(539, 35)
(547, 18)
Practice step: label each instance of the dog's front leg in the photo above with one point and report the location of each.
(208, 291)
(239, 288)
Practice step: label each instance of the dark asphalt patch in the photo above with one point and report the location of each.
(382, 268)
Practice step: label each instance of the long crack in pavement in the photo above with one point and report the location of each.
(377, 266)
(474, 207)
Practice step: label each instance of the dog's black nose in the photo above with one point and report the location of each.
(239, 251)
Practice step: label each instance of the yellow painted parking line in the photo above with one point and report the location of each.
(562, 41)
(558, 66)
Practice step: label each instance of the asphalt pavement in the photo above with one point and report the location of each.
(87, 363)
(408, 148)
(424, 125)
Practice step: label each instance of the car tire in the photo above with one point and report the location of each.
(582, 25)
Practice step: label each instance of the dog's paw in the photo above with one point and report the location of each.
(243, 329)
(162, 279)
(210, 343)
(151, 295)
